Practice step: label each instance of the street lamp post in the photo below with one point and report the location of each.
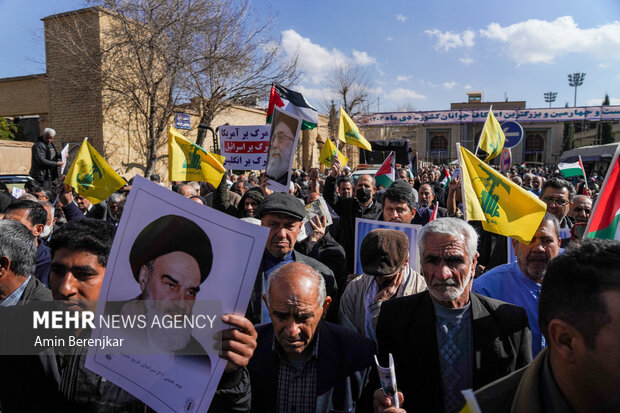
(550, 97)
(575, 80)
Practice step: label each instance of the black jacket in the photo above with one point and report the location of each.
(406, 328)
(345, 359)
(44, 166)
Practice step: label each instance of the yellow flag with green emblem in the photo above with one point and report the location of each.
(189, 162)
(348, 132)
(328, 152)
(503, 206)
(91, 176)
(492, 137)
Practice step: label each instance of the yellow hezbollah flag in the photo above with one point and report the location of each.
(503, 207)
(492, 138)
(471, 404)
(91, 176)
(328, 152)
(189, 162)
(348, 132)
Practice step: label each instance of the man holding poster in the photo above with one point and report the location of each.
(282, 144)
(209, 283)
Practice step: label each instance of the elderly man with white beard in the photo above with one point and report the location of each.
(448, 339)
(281, 149)
(519, 283)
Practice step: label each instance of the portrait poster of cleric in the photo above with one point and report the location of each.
(169, 279)
(364, 226)
(282, 144)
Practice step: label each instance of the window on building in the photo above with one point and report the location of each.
(438, 148)
(534, 147)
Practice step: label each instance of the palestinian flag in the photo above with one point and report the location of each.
(603, 223)
(446, 178)
(386, 174)
(434, 214)
(572, 169)
(293, 102)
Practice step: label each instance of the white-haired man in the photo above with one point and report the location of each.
(448, 339)
(45, 159)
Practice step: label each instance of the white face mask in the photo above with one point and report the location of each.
(47, 230)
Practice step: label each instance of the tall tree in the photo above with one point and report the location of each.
(607, 128)
(236, 63)
(351, 84)
(157, 54)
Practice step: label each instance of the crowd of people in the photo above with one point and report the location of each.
(540, 333)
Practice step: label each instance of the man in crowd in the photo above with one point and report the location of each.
(51, 221)
(239, 187)
(282, 214)
(187, 190)
(45, 159)
(361, 205)
(558, 194)
(580, 208)
(384, 255)
(579, 371)
(527, 181)
(459, 340)
(247, 205)
(427, 200)
(345, 187)
(399, 205)
(519, 282)
(76, 206)
(80, 252)
(537, 182)
(18, 254)
(303, 364)
(34, 217)
(320, 245)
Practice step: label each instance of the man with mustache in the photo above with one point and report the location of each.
(519, 282)
(447, 339)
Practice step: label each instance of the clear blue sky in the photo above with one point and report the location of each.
(421, 54)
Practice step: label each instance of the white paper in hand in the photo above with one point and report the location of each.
(387, 377)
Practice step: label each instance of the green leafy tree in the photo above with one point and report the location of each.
(8, 130)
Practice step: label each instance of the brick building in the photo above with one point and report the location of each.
(76, 109)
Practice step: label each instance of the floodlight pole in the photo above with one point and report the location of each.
(575, 80)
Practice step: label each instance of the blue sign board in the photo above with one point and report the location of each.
(513, 132)
(182, 121)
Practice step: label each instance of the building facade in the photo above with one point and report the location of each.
(434, 134)
(64, 99)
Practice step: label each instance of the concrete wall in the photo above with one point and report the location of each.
(15, 157)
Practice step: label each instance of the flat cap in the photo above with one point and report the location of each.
(282, 203)
(384, 251)
(168, 234)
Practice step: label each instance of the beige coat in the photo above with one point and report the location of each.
(352, 311)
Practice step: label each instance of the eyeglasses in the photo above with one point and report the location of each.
(557, 201)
